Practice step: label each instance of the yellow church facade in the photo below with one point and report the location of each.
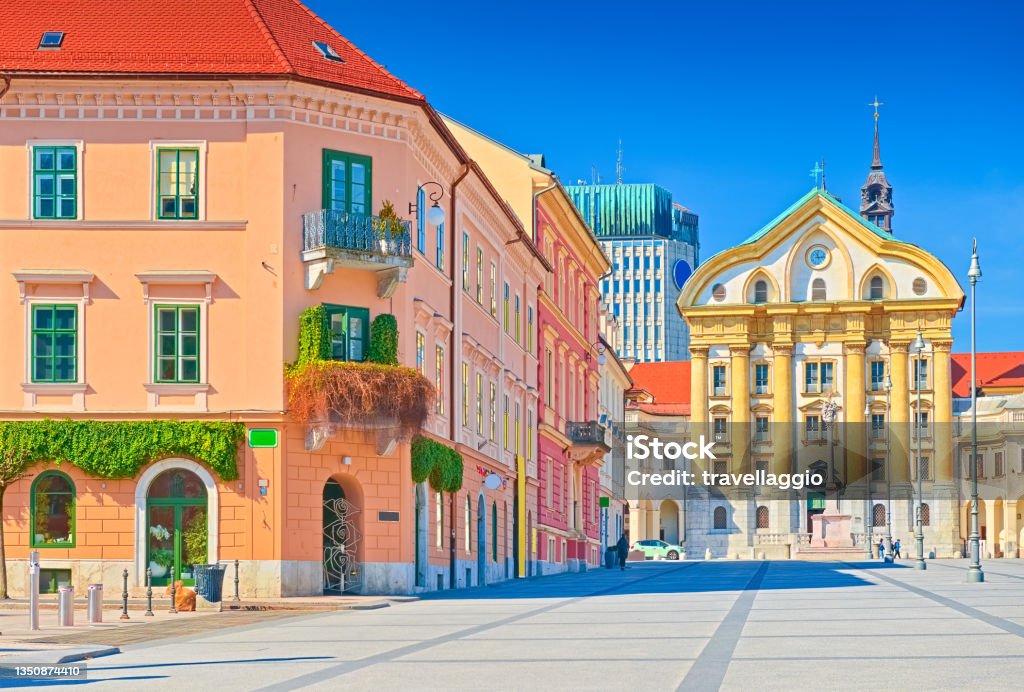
(804, 357)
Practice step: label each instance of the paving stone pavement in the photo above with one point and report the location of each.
(732, 625)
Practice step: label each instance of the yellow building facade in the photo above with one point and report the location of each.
(809, 320)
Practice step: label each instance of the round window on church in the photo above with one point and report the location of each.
(920, 286)
(718, 292)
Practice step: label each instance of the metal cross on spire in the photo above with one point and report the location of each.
(875, 104)
(817, 173)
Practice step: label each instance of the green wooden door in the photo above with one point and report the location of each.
(177, 527)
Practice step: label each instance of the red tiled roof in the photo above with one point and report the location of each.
(186, 37)
(997, 369)
(668, 383)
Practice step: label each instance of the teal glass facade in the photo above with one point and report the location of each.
(653, 245)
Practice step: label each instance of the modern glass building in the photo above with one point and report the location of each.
(654, 246)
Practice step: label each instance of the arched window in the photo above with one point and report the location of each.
(760, 291)
(53, 511)
(469, 525)
(818, 290)
(762, 517)
(876, 288)
(926, 514)
(719, 518)
(878, 515)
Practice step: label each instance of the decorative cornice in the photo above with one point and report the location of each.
(27, 277)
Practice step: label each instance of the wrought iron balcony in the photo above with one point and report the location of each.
(333, 238)
(589, 440)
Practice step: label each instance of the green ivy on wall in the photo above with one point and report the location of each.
(383, 340)
(314, 336)
(119, 449)
(438, 462)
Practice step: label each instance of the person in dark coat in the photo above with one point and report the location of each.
(622, 548)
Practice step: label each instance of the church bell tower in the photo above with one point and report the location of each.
(876, 194)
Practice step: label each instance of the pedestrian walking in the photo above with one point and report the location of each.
(622, 549)
(881, 548)
(896, 550)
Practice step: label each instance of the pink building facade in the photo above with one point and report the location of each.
(160, 236)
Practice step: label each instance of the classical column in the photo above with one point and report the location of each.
(900, 412)
(1010, 528)
(942, 412)
(740, 405)
(782, 408)
(854, 435)
(698, 385)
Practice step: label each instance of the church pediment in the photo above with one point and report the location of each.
(818, 250)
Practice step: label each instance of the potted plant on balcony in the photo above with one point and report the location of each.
(389, 226)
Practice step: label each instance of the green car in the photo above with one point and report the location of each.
(654, 550)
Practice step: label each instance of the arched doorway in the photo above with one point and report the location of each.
(668, 517)
(342, 571)
(177, 526)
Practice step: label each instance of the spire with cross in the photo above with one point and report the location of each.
(876, 194)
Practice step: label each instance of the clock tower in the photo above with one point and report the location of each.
(876, 194)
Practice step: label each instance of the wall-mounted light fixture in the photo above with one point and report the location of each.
(347, 461)
(435, 214)
(601, 358)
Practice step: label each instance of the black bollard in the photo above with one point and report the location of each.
(236, 582)
(173, 609)
(124, 597)
(149, 592)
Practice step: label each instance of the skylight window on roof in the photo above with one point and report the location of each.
(51, 39)
(327, 52)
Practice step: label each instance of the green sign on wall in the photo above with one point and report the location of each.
(262, 438)
(605, 501)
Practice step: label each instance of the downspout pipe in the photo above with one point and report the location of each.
(453, 295)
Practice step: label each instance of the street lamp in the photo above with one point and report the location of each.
(869, 519)
(918, 346)
(435, 214)
(974, 573)
(888, 465)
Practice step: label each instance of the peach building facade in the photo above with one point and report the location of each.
(159, 239)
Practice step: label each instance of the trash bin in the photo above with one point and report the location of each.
(611, 557)
(209, 581)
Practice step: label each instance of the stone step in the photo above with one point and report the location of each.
(849, 554)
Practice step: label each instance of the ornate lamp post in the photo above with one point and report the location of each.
(869, 519)
(918, 346)
(974, 573)
(888, 466)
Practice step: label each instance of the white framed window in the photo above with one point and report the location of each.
(184, 340)
(54, 338)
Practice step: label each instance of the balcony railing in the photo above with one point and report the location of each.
(329, 229)
(587, 433)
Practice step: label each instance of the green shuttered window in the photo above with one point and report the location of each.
(350, 331)
(177, 343)
(54, 343)
(177, 183)
(54, 183)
